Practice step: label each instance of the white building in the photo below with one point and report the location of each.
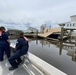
(72, 22)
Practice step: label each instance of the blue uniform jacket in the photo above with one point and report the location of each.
(22, 45)
(3, 40)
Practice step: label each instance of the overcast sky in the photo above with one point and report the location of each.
(37, 11)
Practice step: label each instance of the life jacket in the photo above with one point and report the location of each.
(0, 35)
(25, 38)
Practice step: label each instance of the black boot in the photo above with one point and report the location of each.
(1, 60)
(12, 68)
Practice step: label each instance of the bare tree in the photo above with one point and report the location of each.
(42, 27)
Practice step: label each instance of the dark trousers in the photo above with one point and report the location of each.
(6, 50)
(15, 59)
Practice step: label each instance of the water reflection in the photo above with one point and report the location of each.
(71, 49)
(44, 42)
(60, 46)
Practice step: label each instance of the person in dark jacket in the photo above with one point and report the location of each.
(21, 49)
(4, 44)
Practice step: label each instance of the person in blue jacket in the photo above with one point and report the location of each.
(4, 44)
(21, 49)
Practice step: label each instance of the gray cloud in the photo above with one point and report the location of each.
(37, 11)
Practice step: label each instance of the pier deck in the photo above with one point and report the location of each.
(50, 31)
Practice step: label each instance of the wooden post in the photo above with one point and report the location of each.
(74, 56)
(62, 31)
(37, 33)
(70, 35)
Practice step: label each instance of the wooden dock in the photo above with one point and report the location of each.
(50, 31)
(31, 35)
(48, 35)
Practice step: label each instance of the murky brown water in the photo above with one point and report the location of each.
(62, 57)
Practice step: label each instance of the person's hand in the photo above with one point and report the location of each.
(8, 41)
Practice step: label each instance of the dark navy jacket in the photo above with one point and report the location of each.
(22, 45)
(3, 39)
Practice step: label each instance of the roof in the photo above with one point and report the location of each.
(73, 16)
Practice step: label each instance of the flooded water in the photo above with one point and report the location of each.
(62, 57)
